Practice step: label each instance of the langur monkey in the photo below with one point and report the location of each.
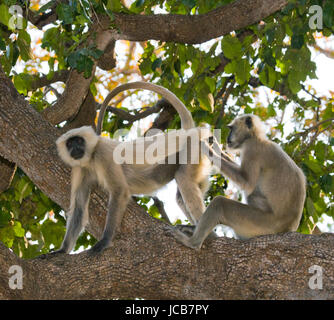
(92, 160)
(273, 184)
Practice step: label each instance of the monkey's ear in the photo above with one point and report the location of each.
(249, 122)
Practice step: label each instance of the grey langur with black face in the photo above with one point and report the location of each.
(273, 184)
(92, 160)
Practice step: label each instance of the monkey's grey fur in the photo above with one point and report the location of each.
(273, 184)
(91, 159)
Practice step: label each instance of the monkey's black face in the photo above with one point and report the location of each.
(229, 138)
(229, 135)
(76, 147)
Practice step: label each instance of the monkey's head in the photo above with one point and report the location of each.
(243, 128)
(76, 146)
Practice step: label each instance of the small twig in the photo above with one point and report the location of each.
(224, 101)
(314, 136)
(311, 94)
(306, 131)
(127, 116)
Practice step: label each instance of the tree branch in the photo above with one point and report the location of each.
(43, 81)
(195, 28)
(185, 28)
(267, 267)
(86, 115)
(124, 115)
(7, 171)
(314, 127)
(77, 87)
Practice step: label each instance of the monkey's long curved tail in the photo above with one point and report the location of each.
(187, 121)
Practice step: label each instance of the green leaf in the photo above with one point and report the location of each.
(85, 65)
(50, 38)
(268, 76)
(268, 57)
(7, 236)
(156, 64)
(230, 67)
(211, 82)
(327, 183)
(294, 82)
(313, 165)
(5, 217)
(4, 14)
(22, 83)
(297, 41)
(65, 13)
(2, 44)
(96, 53)
(23, 43)
(328, 13)
(206, 100)
(242, 71)
(271, 110)
(139, 3)
(18, 230)
(331, 142)
(310, 208)
(114, 5)
(231, 47)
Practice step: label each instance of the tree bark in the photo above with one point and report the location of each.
(7, 171)
(143, 262)
(194, 29)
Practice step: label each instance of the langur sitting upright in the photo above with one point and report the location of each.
(273, 184)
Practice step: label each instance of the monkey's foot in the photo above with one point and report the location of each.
(99, 246)
(186, 229)
(189, 230)
(51, 254)
(183, 239)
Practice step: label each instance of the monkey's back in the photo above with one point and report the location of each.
(283, 183)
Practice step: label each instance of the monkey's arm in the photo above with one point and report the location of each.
(216, 147)
(245, 176)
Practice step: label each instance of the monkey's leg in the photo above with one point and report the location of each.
(191, 193)
(245, 220)
(77, 219)
(183, 207)
(116, 208)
